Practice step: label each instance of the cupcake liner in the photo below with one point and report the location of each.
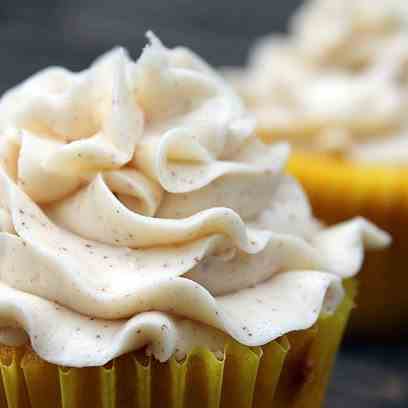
(290, 372)
(339, 189)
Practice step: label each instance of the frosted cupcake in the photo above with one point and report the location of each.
(154, 252)
(336, 87)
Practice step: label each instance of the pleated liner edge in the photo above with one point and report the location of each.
(290, 372)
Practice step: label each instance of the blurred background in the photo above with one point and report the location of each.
(36, 34)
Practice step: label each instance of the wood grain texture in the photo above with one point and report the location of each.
(35, 34)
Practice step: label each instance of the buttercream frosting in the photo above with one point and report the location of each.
(139, 209)
(337, 82)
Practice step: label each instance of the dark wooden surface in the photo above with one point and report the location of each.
(35, 34)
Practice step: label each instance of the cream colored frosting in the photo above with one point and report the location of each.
(338, 81)
(349, 33)
(138, 208)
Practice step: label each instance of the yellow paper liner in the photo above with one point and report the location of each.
(338, 190)
(291, 372)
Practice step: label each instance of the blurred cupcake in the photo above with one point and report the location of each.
(336, 87)
(154, 252)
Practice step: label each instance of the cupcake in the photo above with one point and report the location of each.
(154, 251)
(336, 87)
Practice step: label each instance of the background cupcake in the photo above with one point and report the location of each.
(154, 252)
(336, 87)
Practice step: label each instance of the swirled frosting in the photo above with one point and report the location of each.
(348, 33)
(138, 208)
(337, 82)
